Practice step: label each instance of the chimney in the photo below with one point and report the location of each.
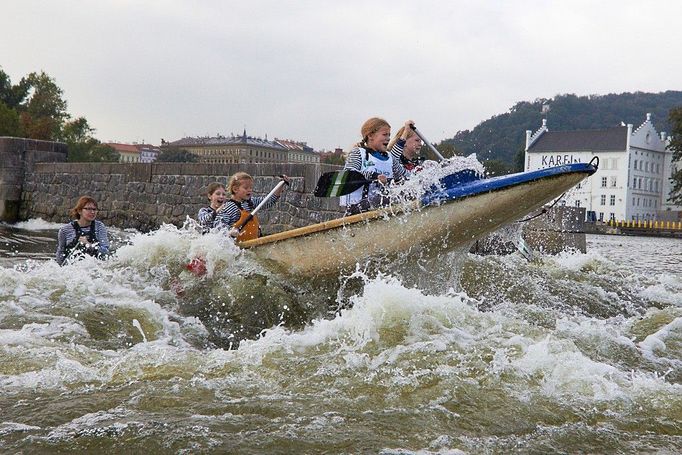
(528, 134)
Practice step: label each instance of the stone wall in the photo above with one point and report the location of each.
(18, 156)
(145, 195)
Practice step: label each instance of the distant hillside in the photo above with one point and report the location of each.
(503, 136)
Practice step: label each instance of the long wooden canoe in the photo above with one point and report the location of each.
(439, 222)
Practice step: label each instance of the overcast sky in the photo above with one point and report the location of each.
(314, 71)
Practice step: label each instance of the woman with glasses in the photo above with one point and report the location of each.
(84, 235)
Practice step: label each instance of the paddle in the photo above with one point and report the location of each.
(426, 141)
(523, 248)
(339, 183)
(236, 229)
(198, 265)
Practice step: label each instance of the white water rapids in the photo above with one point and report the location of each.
(578, 353)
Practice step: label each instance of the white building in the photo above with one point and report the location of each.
(148, 153)
(633, 180)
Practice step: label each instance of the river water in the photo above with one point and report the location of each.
(577, 353)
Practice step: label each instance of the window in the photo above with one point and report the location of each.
(601, 216)
(612, 217)
(612, 200)
(613, 181)
(577, 203)
(635, 165)
(603, 199)
(603, 182)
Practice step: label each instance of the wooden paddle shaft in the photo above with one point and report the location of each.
(258, 207)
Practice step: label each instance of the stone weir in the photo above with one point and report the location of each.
(145, 195)
(18, 158)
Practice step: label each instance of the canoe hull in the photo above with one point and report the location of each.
(433, 229)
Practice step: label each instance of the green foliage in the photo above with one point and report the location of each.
(496, 167)
(333, 158)
(39, 106)
(9, 121)
(78, 130)
(447, 149)
(675, 145)
(12, 95)
(176, 155)
(501, 136)
(104, 153)
(519, 164)
(91, 150)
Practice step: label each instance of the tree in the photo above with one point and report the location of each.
(12, 95)
(9, 121)
(177, 155)
(447, 149)
(675, 118)
(335, 157)
(496, 167)
(78, 130)
(104, 153)
(519, 160)
(44, 111)
(38, 104)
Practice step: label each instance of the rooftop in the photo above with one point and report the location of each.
(562, 141)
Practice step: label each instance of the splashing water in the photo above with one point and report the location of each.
(573, 353)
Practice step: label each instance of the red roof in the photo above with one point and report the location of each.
(125, 148)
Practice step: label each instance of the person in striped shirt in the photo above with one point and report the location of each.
(405, 147)
(370, 157)
(207, 215)
(84, 235)
(241, 204)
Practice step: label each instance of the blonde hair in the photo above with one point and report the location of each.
(237, 180)
(410, 133)
(75, 212)
(371, 126)
(212, 187)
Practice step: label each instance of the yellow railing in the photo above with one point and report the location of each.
(647, 224)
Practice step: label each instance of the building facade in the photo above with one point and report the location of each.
(128, 153)
(633, 180)
(245, 149)
(148, 153)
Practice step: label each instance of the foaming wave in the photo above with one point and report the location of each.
(431, 174)
(36, 224)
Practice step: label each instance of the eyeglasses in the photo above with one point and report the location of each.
(90, 209)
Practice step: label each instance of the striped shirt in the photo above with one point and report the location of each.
(206, 217)
(67, 234)
(230, 213)
(354, 161)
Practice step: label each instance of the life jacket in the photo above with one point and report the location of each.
(413, 165)
(75, 248)
(375, 161)
(249, 231)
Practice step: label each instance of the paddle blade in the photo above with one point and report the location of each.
(339, 183)
(523, 248)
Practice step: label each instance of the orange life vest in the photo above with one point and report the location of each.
(250, 230)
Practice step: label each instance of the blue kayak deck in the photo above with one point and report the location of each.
(466, 183)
